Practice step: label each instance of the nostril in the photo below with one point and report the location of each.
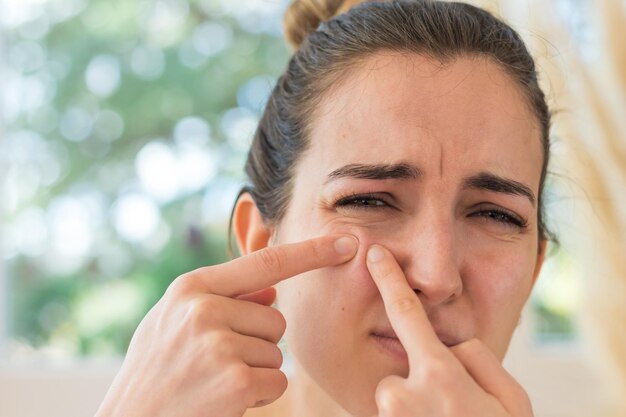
(443, 290)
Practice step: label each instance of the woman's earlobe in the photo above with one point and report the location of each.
(250, 229)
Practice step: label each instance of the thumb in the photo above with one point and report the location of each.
(266, 296)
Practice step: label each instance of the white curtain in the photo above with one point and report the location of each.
(580, 48)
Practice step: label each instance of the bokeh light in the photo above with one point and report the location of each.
(127, 127)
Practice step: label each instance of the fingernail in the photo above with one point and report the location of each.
(346, 245)
(375, 254)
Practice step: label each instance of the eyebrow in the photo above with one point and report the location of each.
(492, 182)
(400, 171)
(482, 181)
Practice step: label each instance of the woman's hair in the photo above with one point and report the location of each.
(327, 47)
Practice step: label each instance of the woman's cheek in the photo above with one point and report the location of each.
(502, 272)
(341, 289)
(329, 300)
(355, 272)
(498, 283)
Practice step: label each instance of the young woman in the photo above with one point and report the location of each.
(394, 214)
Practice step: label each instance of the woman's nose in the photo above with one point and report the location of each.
(431, 262)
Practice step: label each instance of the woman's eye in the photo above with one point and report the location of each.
(501, 216)
(362, 202)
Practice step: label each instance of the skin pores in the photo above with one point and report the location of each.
(469, 251)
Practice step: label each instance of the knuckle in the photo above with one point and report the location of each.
(182, 285)
(219, 345)
(189, 282)
(280, 323)
(278, 357)
(386, 270)
(277, 382)
(525, 403)
(280, 383)
(522, 397)
(219, 340)
(470, 348)
(277, 326)
(471, 344)
(383, 270)
(388, 396)
(239, 379)
(270, 260)
(403, 304)
(203, 312)
(316, 249)
(520, 400)
(436, 371)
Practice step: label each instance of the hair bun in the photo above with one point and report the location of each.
(304, 16)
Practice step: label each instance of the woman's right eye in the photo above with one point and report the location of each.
(362, 202)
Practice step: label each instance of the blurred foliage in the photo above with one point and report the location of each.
(115, 77)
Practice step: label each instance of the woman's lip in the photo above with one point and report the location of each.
(390, 345)
(390, 334)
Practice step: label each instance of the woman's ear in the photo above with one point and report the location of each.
(541, 256)
(250, 230)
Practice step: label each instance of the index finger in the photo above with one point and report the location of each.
(268, 266)
(404, 309)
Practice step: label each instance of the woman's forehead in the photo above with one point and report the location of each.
(467, 113)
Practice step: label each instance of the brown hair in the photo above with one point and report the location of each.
(325, 52)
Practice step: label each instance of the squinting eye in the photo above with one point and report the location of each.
(363, 201)
(501, 216)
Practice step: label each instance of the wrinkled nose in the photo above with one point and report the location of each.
(431, 260)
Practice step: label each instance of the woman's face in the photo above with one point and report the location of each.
(441, 165)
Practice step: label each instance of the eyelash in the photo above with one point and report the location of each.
(352, 201)
(503, 216)
(355, 201)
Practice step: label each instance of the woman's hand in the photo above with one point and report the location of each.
(466, 380)
(209, 346)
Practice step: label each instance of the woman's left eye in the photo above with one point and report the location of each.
(362, 201)
(501, 216)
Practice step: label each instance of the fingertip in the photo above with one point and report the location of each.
(375, 253)
(377, 263)
(347, 246)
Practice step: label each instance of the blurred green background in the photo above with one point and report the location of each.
(126, 129)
